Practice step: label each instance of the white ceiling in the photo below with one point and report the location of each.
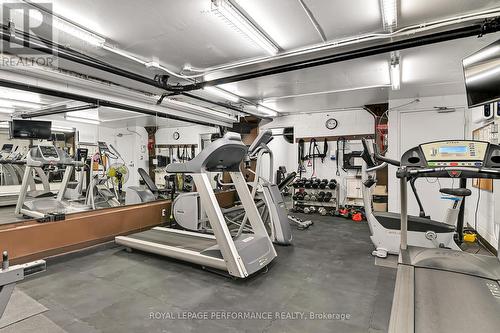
(188, 32)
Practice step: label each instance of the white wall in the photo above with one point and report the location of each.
(131, 143)
(189, 135)
(486, 212)
(350, 122)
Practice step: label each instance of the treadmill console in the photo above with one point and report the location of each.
(7, 148)
(81, 154)
(48, 153)
(474, 155)
(455, 153)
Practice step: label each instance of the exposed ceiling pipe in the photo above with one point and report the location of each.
(230, 107)
(100, 102)
(59, 110)
(313, 20)
(463, 32)
(403, 32)
(162, 80)
(49, 47)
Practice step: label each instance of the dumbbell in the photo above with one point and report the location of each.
(332, 184)
(307, 197)
(313, 197)
(332, 212)
(323, 184)
(315, 183)
(312, 209)
(321, 196)
(322, 211)
(299, 209)
(308, 183)
(294, 197)
(328, 197)
(300, 196)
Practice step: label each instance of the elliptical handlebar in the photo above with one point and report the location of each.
(375, 160)
(387, 160)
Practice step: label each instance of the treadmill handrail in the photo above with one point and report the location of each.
(451, 169)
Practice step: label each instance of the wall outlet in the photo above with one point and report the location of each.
(163, 212)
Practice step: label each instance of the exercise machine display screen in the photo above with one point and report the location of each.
(49, 152)
(455, 153)
(7, 148)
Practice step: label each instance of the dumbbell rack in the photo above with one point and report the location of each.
(330, 205)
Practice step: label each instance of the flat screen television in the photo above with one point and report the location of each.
(482, 75)
(30, 129)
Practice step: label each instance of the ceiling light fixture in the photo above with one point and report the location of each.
(83, 120)
(19, 95)
(389, 10)
(77, 32)
(62, 129)
(66, 26)
(267, 111)
(6, 110)
(237, 19)
(222, 93)
(395, 69)
(8, 103)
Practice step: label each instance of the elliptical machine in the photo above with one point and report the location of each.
(385, 226)
(188, 212)
(102, 192)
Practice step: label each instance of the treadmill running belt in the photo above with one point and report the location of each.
(181, 241)
(452, 302)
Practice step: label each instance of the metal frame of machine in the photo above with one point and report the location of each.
(241, 256)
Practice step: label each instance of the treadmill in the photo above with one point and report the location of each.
(443, 290)
(241, 256)
(44, 203)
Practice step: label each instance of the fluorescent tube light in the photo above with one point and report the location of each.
(267, 111)
(83, 120)
(77, 32)
(389, 10)
(6, 110)
(123, 54)
(19, 95)
(62, 129)
(8, 103)
(222, 93)
(66, 26)
(395, 69)
(245, 26)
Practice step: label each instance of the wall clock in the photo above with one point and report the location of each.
(331, 123)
